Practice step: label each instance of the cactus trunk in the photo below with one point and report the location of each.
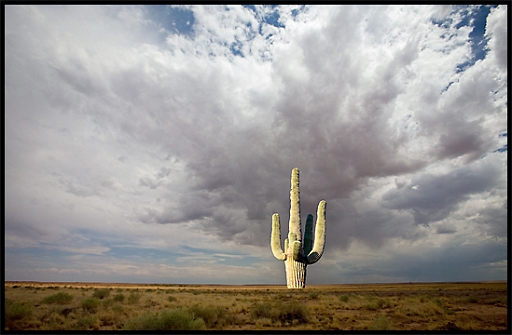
(296, 254)
(295, 273)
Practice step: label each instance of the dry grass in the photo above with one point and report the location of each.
(422, 306)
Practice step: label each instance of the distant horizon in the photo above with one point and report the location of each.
(284, 285)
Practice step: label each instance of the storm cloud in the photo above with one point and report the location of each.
(173, 130)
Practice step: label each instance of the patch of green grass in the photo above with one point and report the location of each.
(313, 295)
(381, 323)
(292, 312)
(90, 305)
(374, 305)
(133, 298)
(117, 309)
(212, 316)
(118, 297)
(15, 312)
(86, 323)
(60, 298)
(262, 310)
(107, 302)
(176, 319)
(439, 302)
(472, 299)
(101, 293)
(344, 298)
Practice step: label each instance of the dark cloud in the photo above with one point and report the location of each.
(433, 197)
(455, 262)
(190, 136)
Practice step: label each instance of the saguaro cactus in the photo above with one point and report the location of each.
(297, 255)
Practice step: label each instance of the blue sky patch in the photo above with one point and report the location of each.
(271, 18)
(477, 18)
(502, 149)
(175, 20)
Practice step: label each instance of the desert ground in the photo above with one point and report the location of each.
(112, 306)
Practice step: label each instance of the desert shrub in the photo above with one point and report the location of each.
(344, 298)
(150, 303)
(90, 304)
(101, 293)
(369, 297)
(381, 323)
(494, 300)
(261, 323)
(15, 312)
(283, 296)
(107, 302)
(441, 304)
(67, 311)
(313, 295)
(176, 319)
(171, 298)
(86, 323)
(212, 316)
(262, 310)
(117, 309)
(418, 309)
(60, 298)
(438, 302)
(133, 298)
(373, 305)
(292, 312)
(118, 297)
(472, 299)
(54, 320)
(503, 300)
(449, 311)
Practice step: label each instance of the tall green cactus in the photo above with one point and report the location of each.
(298, 255)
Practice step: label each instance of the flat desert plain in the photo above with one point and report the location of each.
(400, 306)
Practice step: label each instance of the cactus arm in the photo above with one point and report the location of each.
(296, 251)
(318, 248)
(308, 235)
(275, 238)
(295, 247)
(292, 237)
(294, 225)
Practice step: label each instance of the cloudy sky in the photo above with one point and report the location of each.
(152, 144)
